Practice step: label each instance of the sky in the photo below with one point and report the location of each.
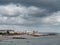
(37, 15)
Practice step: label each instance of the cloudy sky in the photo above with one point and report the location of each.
(38, 15)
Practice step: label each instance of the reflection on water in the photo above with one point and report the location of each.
(42, 40)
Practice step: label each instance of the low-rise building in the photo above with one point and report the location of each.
(6, 31)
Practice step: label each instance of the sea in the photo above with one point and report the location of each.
(42, 40)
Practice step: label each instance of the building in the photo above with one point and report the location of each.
(6, 31)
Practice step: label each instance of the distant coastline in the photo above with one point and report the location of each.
(11, 34)
(31, 33)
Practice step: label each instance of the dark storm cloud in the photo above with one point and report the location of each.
(12, 10)
(29, 11)
(42, 14)
(50, 5)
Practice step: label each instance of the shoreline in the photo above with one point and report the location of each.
(7, 37)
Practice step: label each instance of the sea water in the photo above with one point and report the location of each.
(42, 40)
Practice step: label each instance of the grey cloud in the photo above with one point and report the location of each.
(12, 10)
(43, 12)
(18, 24)
(7, 15)
(50, 5)
(30, 12)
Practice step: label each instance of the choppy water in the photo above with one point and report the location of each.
(42, 40)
